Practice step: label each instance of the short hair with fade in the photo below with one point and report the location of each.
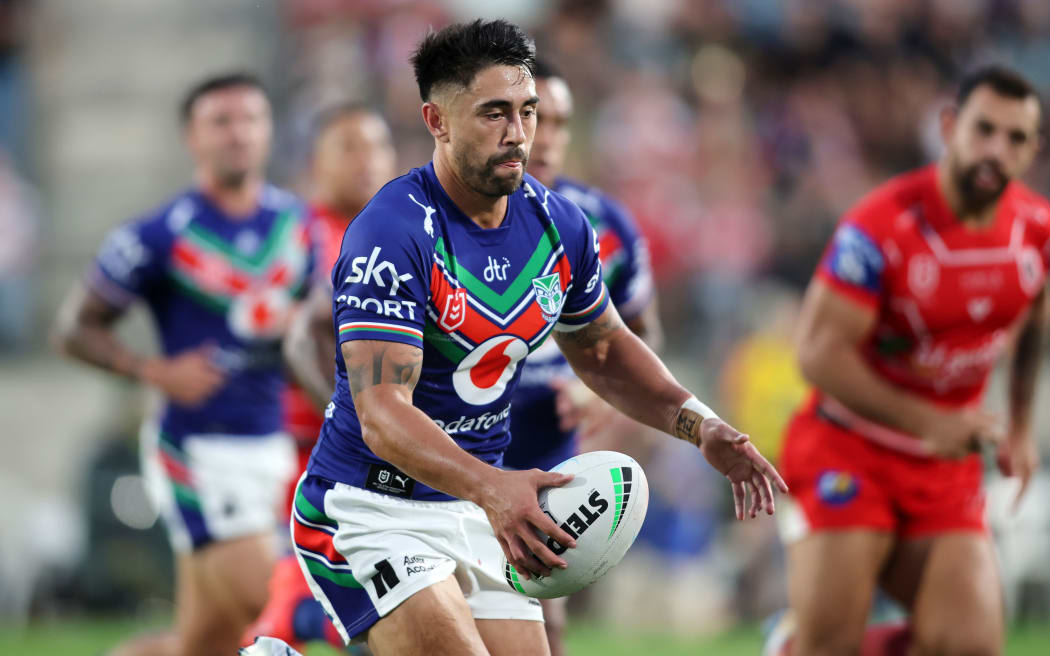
(1004, 81)
(217, 83)
(457, 53)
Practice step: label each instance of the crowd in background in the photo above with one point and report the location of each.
(737, 132)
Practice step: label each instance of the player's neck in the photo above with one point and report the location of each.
(237, 202)
(965, 214)
(486, 211)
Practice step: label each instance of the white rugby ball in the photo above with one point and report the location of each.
(602, 507)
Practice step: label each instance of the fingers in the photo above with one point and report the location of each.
(769, 472)
(551, 479)
(739, 497)
(756, 499)
(765, 490)
(1025, 475)
(547, 526)
(528, 560)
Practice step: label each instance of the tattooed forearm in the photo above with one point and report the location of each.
(370, 363)
(687, 426)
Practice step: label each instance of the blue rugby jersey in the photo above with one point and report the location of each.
(536, 439)
(211, 279)
(414, 269)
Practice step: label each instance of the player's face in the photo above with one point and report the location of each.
(491, 127)
(990, 140)
(353, 158)
(547, 158)
(229, 133)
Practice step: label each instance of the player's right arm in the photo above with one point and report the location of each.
(838, 315)
(383, 354)
(127, 265)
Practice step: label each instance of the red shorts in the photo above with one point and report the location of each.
(840, 479)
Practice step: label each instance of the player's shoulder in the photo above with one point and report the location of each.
(281, 201)
(599, 206)
(877, 211)
(567, 217)
(162, 222)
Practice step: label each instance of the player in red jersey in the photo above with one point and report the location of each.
(352, 158)
(927, 281)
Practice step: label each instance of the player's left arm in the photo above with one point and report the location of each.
(620, 368)
(1019, 455)
(309, 343)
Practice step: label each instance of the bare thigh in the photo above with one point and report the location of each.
(831, 582)
(514, 637)
(957, 605)
(434, 620)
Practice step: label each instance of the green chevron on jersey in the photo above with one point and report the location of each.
(502, 303)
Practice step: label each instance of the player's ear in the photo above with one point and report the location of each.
(436, 120)
(949, 117)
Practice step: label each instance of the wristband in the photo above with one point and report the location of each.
(694, 404)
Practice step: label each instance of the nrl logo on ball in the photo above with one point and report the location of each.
(549, 295)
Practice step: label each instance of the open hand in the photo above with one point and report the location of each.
(731, 452)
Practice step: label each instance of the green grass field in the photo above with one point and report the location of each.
(84, 637)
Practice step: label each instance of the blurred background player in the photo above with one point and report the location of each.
(926, 282)
(352, 157)
(219, 267)
(541, 437)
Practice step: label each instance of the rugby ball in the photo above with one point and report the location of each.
(602, 507)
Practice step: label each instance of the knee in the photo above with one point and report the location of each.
(955, 641)
(828, 640)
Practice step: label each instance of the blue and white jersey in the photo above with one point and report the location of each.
(537, 439)
(208, 278)
(414, 269)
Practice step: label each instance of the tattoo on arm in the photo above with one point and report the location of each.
(593, 334)
(687, 426)
(370, 363)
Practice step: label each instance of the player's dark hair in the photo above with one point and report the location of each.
(217, 83)
(543, 68)
(328, 116)
(460, 51)
(1004, 81)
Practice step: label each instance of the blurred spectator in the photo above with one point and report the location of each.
(18, 250)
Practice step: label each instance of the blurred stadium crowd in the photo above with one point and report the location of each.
(737, 131)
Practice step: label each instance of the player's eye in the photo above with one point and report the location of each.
(1017, 137)
(984, 128)
(528, 111)
(494, 116)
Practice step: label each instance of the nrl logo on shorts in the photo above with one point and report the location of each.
(549, 295)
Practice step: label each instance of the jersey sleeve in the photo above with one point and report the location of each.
(131, 262)
(380, 283)
(587, 297)
(629, 274)
(853, 263)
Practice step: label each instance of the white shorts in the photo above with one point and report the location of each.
(211, 488)
(363, 553)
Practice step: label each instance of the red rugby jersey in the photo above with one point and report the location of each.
(949, 296)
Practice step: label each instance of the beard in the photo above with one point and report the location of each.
(484, 179)
(974, 196)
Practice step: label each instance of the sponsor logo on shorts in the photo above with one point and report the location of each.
(417, 565)
(837, 487)
(389, 480)
(385, 578)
